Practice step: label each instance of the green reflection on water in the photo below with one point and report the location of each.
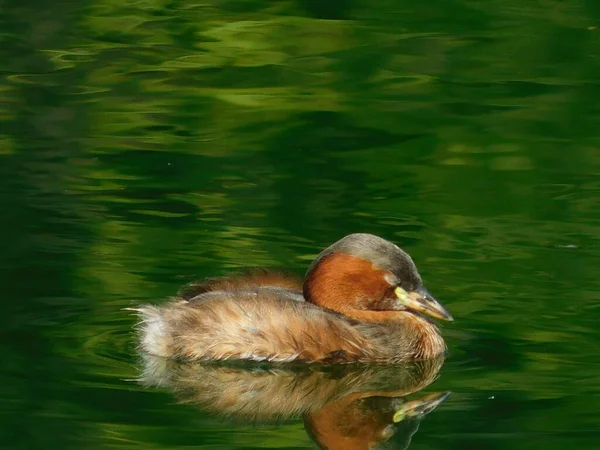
(147, 143)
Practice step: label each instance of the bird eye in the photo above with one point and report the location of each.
(392, 280)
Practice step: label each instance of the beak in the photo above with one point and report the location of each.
(421, 300)
(420, 407)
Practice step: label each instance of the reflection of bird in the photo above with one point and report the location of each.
(369, 422)
(343, 407)
(362, 301)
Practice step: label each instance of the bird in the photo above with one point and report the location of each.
(362, 300)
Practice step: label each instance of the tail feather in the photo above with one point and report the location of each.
(153, 329)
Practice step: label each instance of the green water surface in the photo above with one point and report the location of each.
(147, 143)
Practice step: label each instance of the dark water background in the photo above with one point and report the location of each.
(146, 143)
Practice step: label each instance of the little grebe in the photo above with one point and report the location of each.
(362, 301)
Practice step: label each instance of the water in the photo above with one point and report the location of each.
(145, 144)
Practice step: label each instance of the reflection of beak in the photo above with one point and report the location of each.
(421, 300)
(420, 407)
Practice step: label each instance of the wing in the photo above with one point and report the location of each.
(249, 279)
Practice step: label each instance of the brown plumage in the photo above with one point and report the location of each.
(362, 294)
(246, 280)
